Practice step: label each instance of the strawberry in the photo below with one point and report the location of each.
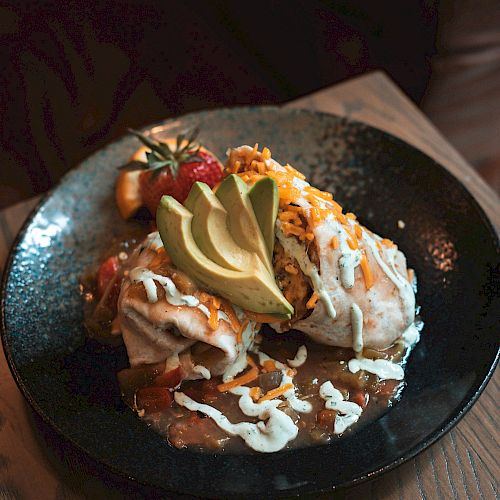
(172, 171)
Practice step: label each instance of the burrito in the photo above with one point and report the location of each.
(165, 317)
(262, 246)
(349, 287)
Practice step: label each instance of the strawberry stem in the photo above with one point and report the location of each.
(161, 156)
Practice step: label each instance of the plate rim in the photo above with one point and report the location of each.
(451, 421)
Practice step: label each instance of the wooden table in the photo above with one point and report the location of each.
(463, 464)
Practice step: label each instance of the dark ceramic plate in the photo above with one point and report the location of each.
(447, 239)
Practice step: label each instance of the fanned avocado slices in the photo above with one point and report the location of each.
(210, 230)
(242, 222)
(265, 202)
(253, 288)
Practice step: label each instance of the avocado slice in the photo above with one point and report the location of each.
(253, 289)
(243, 225)
(265, 201)
(210, 231)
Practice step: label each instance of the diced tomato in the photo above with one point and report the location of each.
(326, 418)
(360, 398)
(194, 430)
(169, 379)
(153, 399)
(107, 271)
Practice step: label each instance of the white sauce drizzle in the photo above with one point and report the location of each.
(300, 357)
(220, 314)
(348, 262)
(405, 289)
(357, 328)
(173, 296)
(411, 335)
(148, 278)
(247, 405)
(241, 361)
(297, 404)
(298, 251)
(203, 371)
(348, 412)
(266, 437)
(154, 241)
(204, 309)
(381, 367)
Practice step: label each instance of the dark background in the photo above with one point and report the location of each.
(76, 74)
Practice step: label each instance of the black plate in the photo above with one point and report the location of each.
(447, 239)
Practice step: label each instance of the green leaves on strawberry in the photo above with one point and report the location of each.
(173, 167)
(161, 155)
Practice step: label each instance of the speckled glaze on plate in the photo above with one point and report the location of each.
(447, 238)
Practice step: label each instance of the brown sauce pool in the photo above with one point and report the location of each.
(186, 429)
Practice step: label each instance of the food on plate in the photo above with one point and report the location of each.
(259, 316)
(355, 277)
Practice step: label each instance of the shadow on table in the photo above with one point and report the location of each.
(82, 477)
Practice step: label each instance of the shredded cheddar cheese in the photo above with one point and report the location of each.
(291, 229)
(334, 242)
(214, 306)
(311, 303)
(251, 362)
(248, 377)
(367, 272)
(351, 241)
(274, 393)
(213, 321)
(255, 393)
(269, 366)
(294, 172)
(341, 218)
